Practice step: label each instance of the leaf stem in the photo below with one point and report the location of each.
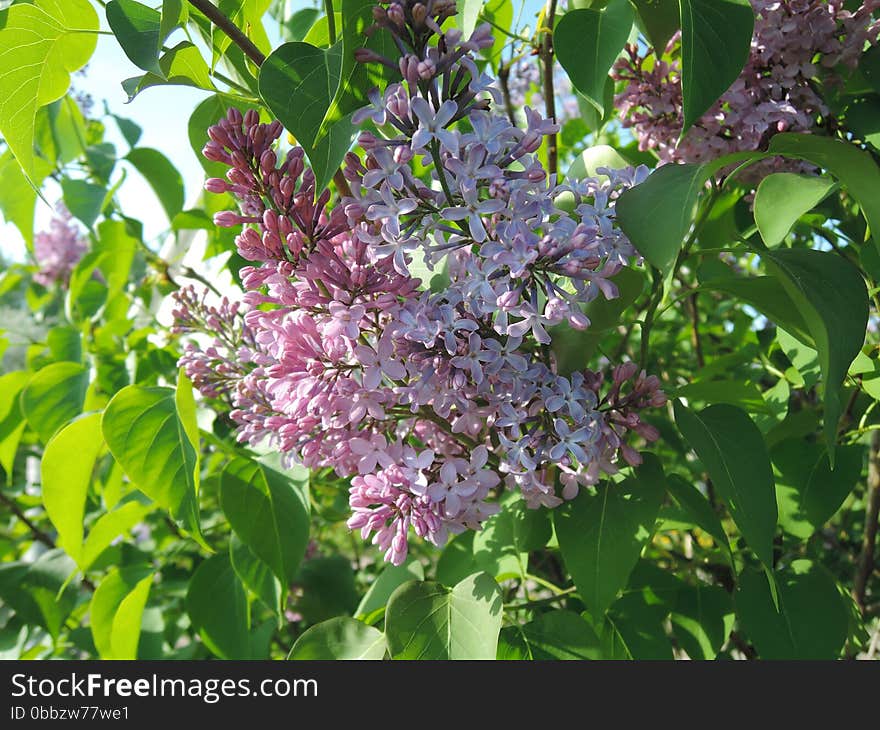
(549, 91)
(331, 20)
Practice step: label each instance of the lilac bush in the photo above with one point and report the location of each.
(798, 47)
(430, 399)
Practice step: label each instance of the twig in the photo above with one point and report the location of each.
(740, 643)
(695, 332)
(38, 534)
(549, 91)
(211, 12)
(865, 564)
(504, 82)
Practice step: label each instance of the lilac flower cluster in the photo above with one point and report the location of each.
(795, 42)
(341, 357)
(58, 250)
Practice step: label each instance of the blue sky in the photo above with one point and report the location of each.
(162, 112)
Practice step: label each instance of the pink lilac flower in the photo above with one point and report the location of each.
(59, 249)
(795, 44)
(340, 357)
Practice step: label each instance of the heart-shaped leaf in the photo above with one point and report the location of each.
(297, 82)
(587, 43)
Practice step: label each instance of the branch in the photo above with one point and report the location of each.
(503, 80)
(210, 11)
(865, 565)
(549, 92)
(38, 534)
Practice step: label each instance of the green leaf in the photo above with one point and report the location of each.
(499, 13)
(716, 38)
(207, 113)
(129, 130)
(634, 627)
(808, 493)
(737, 393)
(722, 435)
(602, 532)
(66, 473)
(574, 348)
(457, 561)
(770, 299)
(181, 65)
(83, 199)
(424, 620)
(328, 589)
(108, 527)
(125, 632)
(812, 621)
(863, 118)
(12, 423)
(657, 214)
(41, 592)
(660, 19)
(116, 248)
(373, 603)
(18, 200)
(831, 295)
(139, 32)
(114, 589)
(175, 13)
(702, 619)
(555, 635)
(697, 508)
(298, 24)
(42, 44)
(256, 576)
(854, 167)
(468, 15)
(495, 550)
(782, 198)
(339, 638)
(356, 79)
(146, 434)
(294, 83)
(101, 159)
(162, 176)
(218, 608)
(587, 42)
(269, 511)
(54, 396)
(588, 162)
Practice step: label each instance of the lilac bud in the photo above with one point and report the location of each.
(216, 185)
(396, 15)
(227, 219)
(419, 14)
(268, 161)
(214, 152)
(251, 118)
(578, 320)
(630, 455)
(508, 300)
